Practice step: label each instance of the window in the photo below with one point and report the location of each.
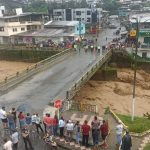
(59, 13)
(88, 19)
(147, 40)
(78, 12)
(14, 29)
(82, 18)
(78, 19)
(1, 29)
(22, 29)
(88, 12)
(144, 55)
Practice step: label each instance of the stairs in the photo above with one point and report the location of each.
(145, 141)
(69, 145)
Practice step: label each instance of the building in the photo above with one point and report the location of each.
(79, 14)
(144, 33)
(57, 31)
(19, 23)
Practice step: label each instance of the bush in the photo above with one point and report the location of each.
(139, 125)
(147, 147)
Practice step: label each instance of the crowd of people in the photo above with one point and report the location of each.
(52, 126)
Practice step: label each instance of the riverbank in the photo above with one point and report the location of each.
(118, 94)
(9, 68)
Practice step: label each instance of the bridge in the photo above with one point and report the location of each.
(58, 77)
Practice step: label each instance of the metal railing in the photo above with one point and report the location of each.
(29, 71)
(76, 87)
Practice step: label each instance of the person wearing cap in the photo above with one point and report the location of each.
(126, 141)
(3, 117)
(119, 130)
(15, 139)
(69, 127)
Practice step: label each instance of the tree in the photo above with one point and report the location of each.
(110, 5)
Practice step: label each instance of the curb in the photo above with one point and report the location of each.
(126, 127)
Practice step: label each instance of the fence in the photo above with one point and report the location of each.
(67, 104)
(29, 71)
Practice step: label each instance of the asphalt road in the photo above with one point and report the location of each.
(53, 83)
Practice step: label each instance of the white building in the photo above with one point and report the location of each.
(144, 33)
(78, 14)
(21, 22)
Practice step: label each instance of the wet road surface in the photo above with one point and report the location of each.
(53, 83)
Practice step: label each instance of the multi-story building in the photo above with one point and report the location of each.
(78, 14)
(21, 22)
(144, 33)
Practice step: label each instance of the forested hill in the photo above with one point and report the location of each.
(13, 3)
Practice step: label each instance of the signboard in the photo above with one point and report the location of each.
(58, 104)
(80, 28)
(144, 33)
(133, 33)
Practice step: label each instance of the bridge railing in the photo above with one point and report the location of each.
(11, 81)
(85, 77)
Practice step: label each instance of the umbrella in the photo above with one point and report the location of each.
(24, 108)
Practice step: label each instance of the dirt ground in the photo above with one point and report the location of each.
(118, 94)
(9, 68)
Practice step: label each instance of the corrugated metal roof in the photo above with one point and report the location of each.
(45, 33)
(21, 15)
(61, 23)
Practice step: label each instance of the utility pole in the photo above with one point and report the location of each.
(135, 68)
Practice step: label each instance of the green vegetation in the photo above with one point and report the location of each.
(139, 59)
(111, 5)
(25, 55)
(139, 125)
(147, 147)
(109, 73)
(36, 6)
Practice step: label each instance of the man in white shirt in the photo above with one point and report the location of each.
(119, 130)
(7, 145)
(69, 127)
(61, 126)
(33, 119)
(15, 139)
(3, 117)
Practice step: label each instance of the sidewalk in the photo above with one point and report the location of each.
(76, 115)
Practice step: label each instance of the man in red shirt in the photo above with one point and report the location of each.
(85, 133)
(104, 133)
(48, 121)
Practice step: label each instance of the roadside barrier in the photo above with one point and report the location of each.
(11, 81)
(68, 103)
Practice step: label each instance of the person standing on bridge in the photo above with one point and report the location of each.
(61, 126)
(77, 131)
(95, 130)
(3, 117)
(7, 144)
(104, 132)
(119, 130)
(85, 133)
(126, 141)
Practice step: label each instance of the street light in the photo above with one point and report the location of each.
(135, 66)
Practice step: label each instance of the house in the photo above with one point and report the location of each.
(86, 15)
(19, 23)
(57, 31)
